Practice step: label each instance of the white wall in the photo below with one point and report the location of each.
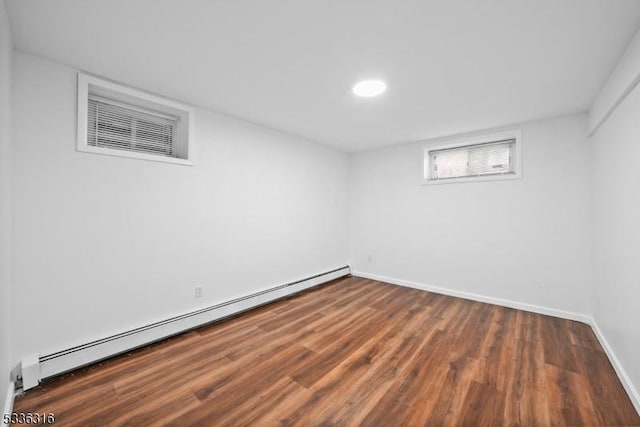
(5, 202)
(525, 240)
(103, 244)
(616, 148)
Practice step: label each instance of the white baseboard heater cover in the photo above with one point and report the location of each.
(85, 354)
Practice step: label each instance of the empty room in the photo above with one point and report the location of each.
(356, 212)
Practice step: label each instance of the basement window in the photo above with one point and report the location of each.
(492, 157)
(120, 121)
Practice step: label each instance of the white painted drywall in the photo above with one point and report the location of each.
(623, 79)
(103, 244)
(616, 226)
(525, 240)
(6, 50)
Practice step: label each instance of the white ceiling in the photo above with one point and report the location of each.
(450, 66)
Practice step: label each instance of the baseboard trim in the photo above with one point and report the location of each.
(62, 361)
(632, 392)
(8, 403)
(480, 298)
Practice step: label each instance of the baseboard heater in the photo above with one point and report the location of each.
(42, 367)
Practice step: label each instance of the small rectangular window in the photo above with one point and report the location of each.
(488, 158)
(124, 122)
(112, 125)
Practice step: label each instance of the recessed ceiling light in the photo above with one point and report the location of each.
(369, 88)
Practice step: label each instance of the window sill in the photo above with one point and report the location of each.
(134, 155)
(471, 179)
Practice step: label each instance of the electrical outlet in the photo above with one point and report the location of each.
(369, 258)
(198, 291)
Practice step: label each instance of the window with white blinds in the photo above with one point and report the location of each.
(118, 126)
(489, 158)
(125, 122)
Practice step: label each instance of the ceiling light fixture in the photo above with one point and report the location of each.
(369, 88)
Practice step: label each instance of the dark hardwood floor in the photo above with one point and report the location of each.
(354, 352)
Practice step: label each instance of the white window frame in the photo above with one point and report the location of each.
(515, 134)
(136, 98)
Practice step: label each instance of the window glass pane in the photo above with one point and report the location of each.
(489, 160)
(492, 158)
(450, 164)
(116, 127)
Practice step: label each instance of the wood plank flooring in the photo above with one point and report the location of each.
(354, 352)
